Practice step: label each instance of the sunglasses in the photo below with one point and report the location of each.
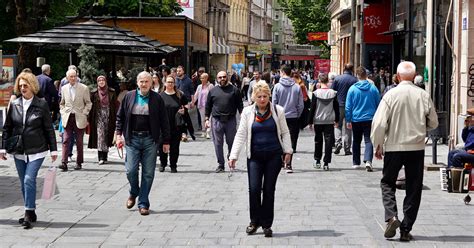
(222, 77)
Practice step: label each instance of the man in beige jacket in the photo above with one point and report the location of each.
(74, 107)
(399, 127)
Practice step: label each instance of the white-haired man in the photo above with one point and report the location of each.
(46, 85)
(399, 128)
(141, 120)
(74, 107)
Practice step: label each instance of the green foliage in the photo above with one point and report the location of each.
(308, 16)
(89, 65)
(150, 8)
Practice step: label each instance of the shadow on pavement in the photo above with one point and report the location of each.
(102, 170)
(10, 191)
(454, 238)
(44, 224)
(186, 211)
(310, 233)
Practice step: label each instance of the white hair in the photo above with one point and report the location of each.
(70, 71)
(406, 70)
(45, 68)
(332, 75)
(72, 67)
(418, 79)
(144, 74)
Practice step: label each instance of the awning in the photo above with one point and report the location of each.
(103, 38)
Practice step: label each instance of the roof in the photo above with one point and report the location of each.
(103, 38)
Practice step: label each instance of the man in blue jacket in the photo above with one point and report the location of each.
(457, 158)
(362, 101)
(47, 86)
(341, 84)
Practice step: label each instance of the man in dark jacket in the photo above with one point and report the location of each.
(223, 102)
(142, 120)
(184, 83)
(341, 84)
(47, 86)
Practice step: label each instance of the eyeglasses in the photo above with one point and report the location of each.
(222, 77)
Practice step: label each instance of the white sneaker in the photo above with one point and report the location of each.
(317, 164)
(208, 136)
(368, 166)
(203, 135)
(356, 166)
(101, 162)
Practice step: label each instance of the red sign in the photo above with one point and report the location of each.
(317, 36)
(377, 21)
(321, 65)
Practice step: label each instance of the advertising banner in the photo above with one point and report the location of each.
(317, 36)
(377, 21)
(321, 66)
(188, 8)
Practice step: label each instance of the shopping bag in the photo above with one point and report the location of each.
(49, 185)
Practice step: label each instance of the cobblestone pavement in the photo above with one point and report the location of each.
(197, 207)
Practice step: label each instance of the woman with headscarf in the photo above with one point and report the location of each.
(102, 119)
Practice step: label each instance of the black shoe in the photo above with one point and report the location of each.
(174, 170)
(405, 236)
(252, 228)
(347, 152)
(392, 225)
(161, 169)
(268, 232)
(219, 169)
(193, 137)
(63, 167)
(338, 149)
(31, 214)
(326, 166)
(78, 167)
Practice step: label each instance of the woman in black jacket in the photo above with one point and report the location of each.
(28, 135)
(174, 104)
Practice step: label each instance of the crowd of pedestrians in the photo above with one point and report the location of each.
(152, 119)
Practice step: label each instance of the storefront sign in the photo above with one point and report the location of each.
(376, 21)
(265, 48)
(317, 36)
(321, 66)
(251, 55)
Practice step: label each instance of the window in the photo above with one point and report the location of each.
(276, 37)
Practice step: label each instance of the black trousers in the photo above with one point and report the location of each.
(174, 151)
(326, 131)
(294, 128)
(414, 163)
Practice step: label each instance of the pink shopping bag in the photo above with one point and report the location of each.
(49, 185)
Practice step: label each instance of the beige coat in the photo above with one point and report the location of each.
(402, 119)
(244, 133)
(81, 105)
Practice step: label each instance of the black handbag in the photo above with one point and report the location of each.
(14, 144)
(179, 119)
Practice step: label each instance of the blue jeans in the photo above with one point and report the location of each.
(28, 173)
(141, 150)
(457, 158)
(360, 129)
(263, 169)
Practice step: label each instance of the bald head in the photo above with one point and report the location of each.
(222, 78)
(406, 71)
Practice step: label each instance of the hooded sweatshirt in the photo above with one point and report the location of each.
(288, 95)
(324, 107)
(362, 101)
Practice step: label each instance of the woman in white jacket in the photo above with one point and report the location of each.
(264, 133)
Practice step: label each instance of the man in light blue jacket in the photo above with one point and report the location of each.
(361, 103)
(288, 94)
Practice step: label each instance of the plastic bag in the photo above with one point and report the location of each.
(49, 184)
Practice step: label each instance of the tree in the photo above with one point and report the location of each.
(28, 16)
(308, 16)
(89, 65)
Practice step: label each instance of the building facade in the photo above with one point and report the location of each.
(238, 32)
